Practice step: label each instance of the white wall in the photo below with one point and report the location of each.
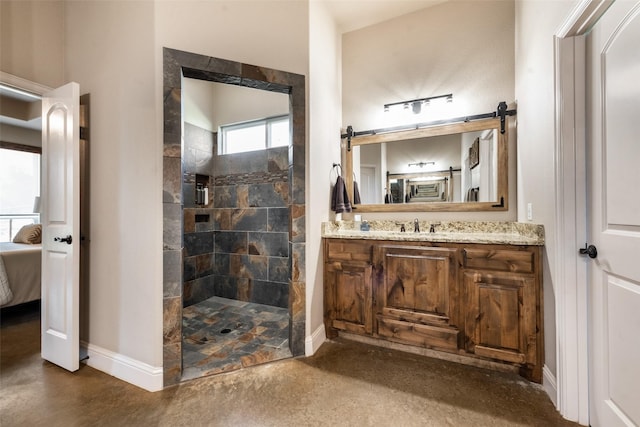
(462, 47)
(32, 40)
(536, 24)
(323, 150)
(20, 135)
(210, 104)
(110, 52)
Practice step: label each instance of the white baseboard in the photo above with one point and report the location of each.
(125, 368)
(549, 385)
(313, 342)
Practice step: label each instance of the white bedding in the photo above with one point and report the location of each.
(22, 265)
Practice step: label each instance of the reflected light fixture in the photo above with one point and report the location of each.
(416, 104)
(422, 164)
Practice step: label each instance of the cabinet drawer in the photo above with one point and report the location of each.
(340, 250)
(499, 259)
(416, 334)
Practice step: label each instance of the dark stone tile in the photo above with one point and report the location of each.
(298, 252)
(187, 292)
(268, 244)
(222, 218)
(269, 195)
(279, 270)
(225, 197)
(198, 138)
(221, 166)
(296, 338)
(172, 226)
(189, 220)
(172, 115)
(203, 162)
(244, 289)
(298, 232)
(189, 269)
(249, 219)
(233, 242)
(252, 161)
(278, 220)
(278, 159)
(242, 196)
(172, 320)
(297, 183)
(198, 243)
(172, 180)
(189, 159)
(189, 194)
(225, 286)
(221, 264)
(171, 272)
(172, 363)
(270, 293)
(297, 300)
(248, 266)
(201, 289)
(204, 265)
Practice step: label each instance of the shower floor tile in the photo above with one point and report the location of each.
(221, 335)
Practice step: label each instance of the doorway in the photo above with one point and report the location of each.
(179, 65)
(236, 227)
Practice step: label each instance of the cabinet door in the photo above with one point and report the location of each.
(417, 297)
(348, 297)
(500, 320)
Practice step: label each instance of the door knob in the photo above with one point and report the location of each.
(63, 239)
(589, 250)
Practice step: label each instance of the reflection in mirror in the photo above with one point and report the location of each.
(460, 166)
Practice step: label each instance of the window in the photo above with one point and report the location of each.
(254, 135)
(19, 186)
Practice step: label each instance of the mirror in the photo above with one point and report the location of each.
(452, 167)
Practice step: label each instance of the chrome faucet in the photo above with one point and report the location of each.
(416, 226)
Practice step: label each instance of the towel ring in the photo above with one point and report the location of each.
(338, 168)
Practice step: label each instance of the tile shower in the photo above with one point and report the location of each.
(178, 65)
(236, 244)
(236, 263)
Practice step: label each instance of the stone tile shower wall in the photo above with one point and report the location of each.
(198, 256)
(237, 245)
(251, 239)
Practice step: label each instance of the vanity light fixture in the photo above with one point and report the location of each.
(416, 104)
(422, 164)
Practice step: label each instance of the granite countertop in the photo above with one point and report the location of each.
(487, 232)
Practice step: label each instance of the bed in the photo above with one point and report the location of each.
(20, 265)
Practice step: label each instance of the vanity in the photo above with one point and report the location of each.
(469, 291)
(473, 289)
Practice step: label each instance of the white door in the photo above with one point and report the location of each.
(369, 190)
(613, 52)
(60, 218)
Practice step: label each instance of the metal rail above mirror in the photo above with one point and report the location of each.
(452, 166)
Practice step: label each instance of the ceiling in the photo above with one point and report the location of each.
(352, 15)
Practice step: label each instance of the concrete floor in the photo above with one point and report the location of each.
(344, 384)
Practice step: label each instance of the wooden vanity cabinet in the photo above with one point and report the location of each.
(502, 297)
(417, 296)
(476, 300)
(348, 291)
